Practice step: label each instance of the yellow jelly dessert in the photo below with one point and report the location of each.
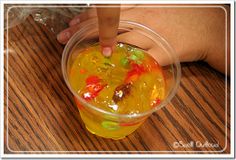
(127, 83)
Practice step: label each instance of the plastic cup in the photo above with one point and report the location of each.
(113, 125)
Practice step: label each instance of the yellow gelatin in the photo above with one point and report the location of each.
(129, 82)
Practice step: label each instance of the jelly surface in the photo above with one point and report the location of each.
(128, 82)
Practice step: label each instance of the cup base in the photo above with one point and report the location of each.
(114, 138)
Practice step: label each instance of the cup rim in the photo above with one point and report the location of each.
(136, 115)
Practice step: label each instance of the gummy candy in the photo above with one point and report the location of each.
(121, 92)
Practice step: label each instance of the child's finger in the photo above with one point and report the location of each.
(108, 20)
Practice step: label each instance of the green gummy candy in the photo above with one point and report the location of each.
(138, 53)
(110, 125)
(124, 61)
(133, 57)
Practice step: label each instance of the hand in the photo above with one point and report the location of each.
(195, 33)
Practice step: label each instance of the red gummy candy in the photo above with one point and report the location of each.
(82, 71)
(129, 124)
(92, 80)
(94, 88)
(131, 78)
(134, 73)
(138, 68)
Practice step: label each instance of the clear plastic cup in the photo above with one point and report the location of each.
(112, 125)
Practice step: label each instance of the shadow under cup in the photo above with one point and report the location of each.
(113, 125)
